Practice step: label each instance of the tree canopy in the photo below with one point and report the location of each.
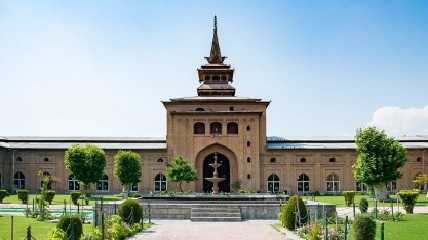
(86, 163)
(127, 167)
(379, 157)
(179, 170)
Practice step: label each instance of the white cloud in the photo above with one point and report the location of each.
(401, 121)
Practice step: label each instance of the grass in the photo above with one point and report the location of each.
(58, 199)
(339, 200)
(39, 229)
(413, 226)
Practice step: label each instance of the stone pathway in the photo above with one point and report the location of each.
(187, 230)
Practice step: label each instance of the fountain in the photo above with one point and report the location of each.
(215, 179)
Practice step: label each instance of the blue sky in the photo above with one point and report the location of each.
(101, 68)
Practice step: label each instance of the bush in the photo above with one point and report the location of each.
(236, 185)
(57, 234)
(3, 194)
(116, 229)
(49, 196)
(408, 198)
(72, 226)
(130, 211)
(75, 197)
(349, 197)
(315, 232)
(92, 234)
(22, 195)
(364, 228)
(364, 205)
(287, 215)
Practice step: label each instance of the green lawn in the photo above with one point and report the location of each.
(39, 229)
(413, 226)
(58, 199)
(339, 201)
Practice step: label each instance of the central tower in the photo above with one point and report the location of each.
(215, 76)
(218, 123)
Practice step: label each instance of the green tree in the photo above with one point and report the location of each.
(179, 170)
(379, 159)
(86, 163)
(127, 168)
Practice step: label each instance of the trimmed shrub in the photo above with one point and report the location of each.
(3, 194)
(57, 234)
(22, 195)
(49, 196)
(408, 198)
(364, 205)
(72, 226)
(75, 197)
(130, 211)
(349, 197)
(364, 227)
(287, 215)
(236, 185)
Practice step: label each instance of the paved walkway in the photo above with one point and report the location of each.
(348, 211)
(187, 230)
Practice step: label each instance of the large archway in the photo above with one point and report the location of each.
(205, 153)
(223, 172)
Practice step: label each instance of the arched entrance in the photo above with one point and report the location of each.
(223, 172)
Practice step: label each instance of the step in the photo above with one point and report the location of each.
(216, 219)
(215, 214)
(227, 210)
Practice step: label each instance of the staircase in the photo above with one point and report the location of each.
(215, 213)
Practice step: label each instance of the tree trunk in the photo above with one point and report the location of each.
(180, 187)
(125, 191)
(380, 192)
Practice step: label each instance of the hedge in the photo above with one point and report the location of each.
(287, 215)
(364, 205)
(75, 197)
(22, 195)
(408, 198)
(49, 196)
(72, 226)
(130, 211)
(349, 197)
(3, 194)
(364, 228)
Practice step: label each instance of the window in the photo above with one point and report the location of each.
(418, 159)
(231, 108)
(73, 184)
(19, 159)
(273, 160)
(333, 183)
(216, 128)
(232, 128)
(223, 77)
(303, 183)
(160, 160)
(248, 128)
(391, 187)
(302, 159)
(134, 187)
(199, 109)
(46, 159)
(160, 183)
(207, 77)
(102, 185)
(248, 176)
(216, 77)
(273, 183)
(47, 174)
(199, 128)
(360, 187)
(248, 159)
(332, 159)
(19, 180)
(248, 143)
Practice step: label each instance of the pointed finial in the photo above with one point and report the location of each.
(215, 53)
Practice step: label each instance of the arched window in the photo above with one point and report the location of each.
(302, 159)
(102, 185)
(232, 128)
(160, 183)
(199, 109)
(134, 187)
(248, 159)
(360, 187)
(303, 183)
(19, 159)
(160, 160)
(333, 183)
(48, 175)
(273, 183)
(332, 159)
(216, 128)
(273, 160)
(19, 180)
(391, 187)
(46, 159)
(73, 184)
(199, 128)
